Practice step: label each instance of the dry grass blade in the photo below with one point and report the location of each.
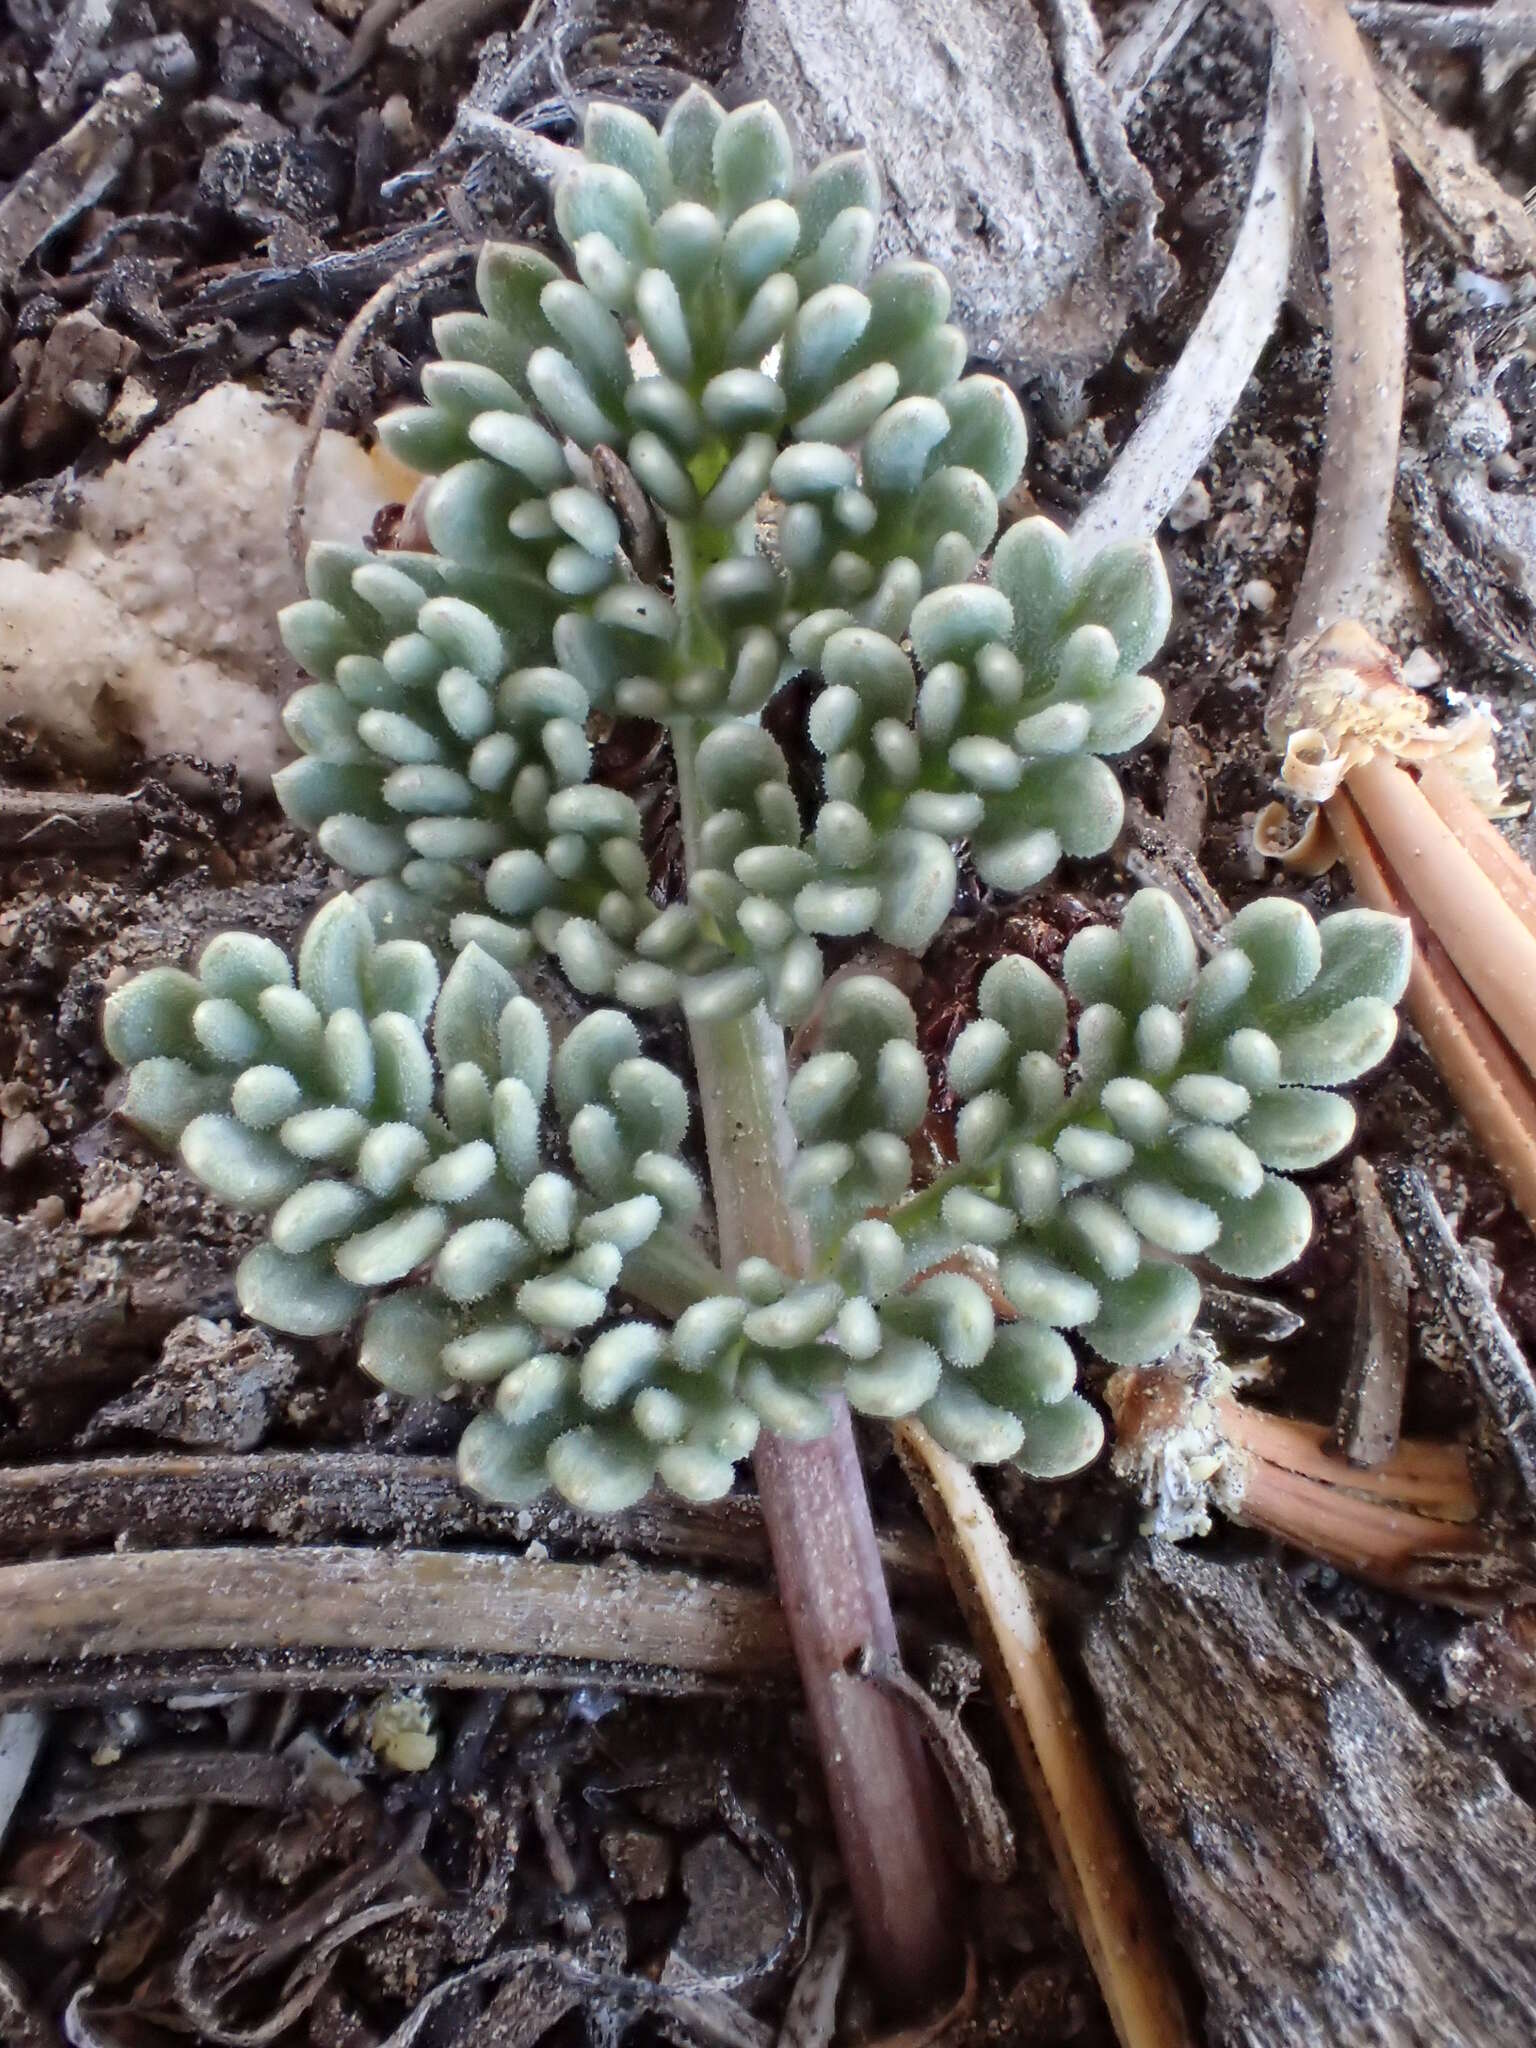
(1109, 1902)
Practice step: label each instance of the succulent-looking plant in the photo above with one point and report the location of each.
(728, 452)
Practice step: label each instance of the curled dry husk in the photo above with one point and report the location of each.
(1347, 703)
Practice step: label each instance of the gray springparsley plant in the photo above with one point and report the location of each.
(728, 389)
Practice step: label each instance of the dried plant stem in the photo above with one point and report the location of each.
(1365, 279)
(1322, 1518)
(1201, 392)
(1410, 1524)
(1485, 936)
(1114, 1914)
(1489, 848)
(434, 1604)
(328, 1497)
(1492, 1090)
(884, 1797)
(1424, 1478)
(342, 356)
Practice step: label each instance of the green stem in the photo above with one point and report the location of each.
(884, 1798)
(671, 1271)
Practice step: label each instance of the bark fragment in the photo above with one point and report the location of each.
(1034, 210)
(1339, 1874)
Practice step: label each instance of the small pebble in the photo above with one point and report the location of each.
(734, 1914)
(639, 1861)
(1421, 671)
(399, 121)
(134, 406)
(1258, 595)
(21, 1139)
(1192, 508)
(401, 1734)
(107, 1214)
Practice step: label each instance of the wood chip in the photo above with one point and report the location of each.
(1370, 1418)
(64, 180)
(1339, 1873)
(1045, 275)
(300, 31)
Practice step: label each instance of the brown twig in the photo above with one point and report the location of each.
(341, 1496)
(1487, 939)
(1492, 1090)
(1105, 1890)
(258, 1616)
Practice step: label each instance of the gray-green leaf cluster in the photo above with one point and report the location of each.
(727, 450)
(796, 424)
(403, 1139)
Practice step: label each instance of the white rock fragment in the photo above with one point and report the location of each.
(1421, 670)
(159, 620)
(1192, 508)
(401, 1732)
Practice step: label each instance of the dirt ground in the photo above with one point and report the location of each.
(350, 1865)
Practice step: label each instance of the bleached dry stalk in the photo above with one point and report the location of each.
(1364, 413)
(1201, 392)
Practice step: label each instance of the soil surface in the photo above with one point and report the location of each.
(354, 1866)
